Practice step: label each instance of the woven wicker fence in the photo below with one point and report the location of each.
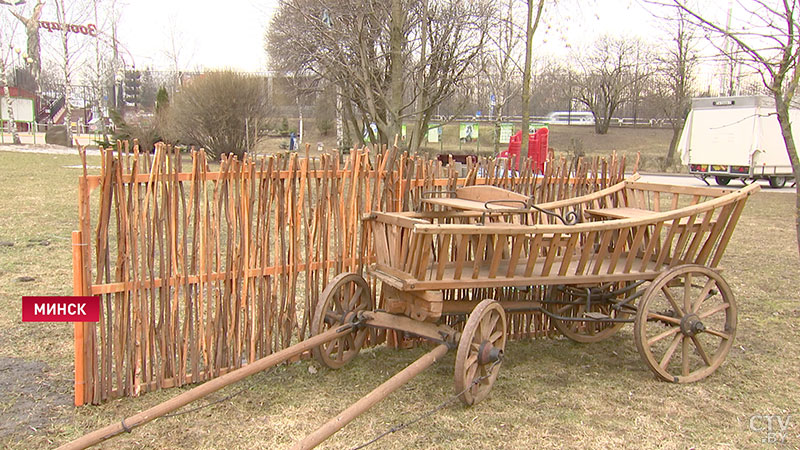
(202, 268)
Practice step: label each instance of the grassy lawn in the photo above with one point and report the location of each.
(565, 140)
(550, 393)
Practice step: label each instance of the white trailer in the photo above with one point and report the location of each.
(736, 137)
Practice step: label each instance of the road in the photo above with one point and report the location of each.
(689, 180)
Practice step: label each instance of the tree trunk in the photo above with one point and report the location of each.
(9, 108)
(673, 144)
(782, 107)
(62, 17)
(421, 120)
(526, 81)
(396, 39)
(33, 46)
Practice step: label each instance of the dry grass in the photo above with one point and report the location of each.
(550, 393)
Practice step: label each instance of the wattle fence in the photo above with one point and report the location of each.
(202, 268)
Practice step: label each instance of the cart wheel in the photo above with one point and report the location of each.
(588, 331)
(346, 295)
(722, 180)
(480, 351)
(685, 323)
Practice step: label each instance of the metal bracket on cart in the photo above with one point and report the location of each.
(570, 218)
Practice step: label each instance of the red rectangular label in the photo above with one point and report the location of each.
(60, 309)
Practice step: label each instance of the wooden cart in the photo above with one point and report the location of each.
(634, 252)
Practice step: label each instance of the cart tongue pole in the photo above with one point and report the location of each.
(369, 400)
(204, 389)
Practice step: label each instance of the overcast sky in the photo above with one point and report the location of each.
(230, 33)
(214, 34)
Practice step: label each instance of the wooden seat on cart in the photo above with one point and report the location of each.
(474, 198)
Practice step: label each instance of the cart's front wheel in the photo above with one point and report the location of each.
(685, 323)
(346, 295)
(480, 351)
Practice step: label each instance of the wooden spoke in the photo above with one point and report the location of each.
(664, 318)
(652, 326)
(703, 294)
(668, 295)
(354, 299)
(495, 336)
(670, 351)
(700, 351)
(346, 295)
(713, 310)
(687, 292)
(663, 335)
(719, 334)
(486, 326)
(685, 357)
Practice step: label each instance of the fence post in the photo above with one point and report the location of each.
(77, 289)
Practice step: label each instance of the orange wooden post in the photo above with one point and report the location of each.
(77, 289)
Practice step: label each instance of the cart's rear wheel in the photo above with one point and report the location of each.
(480, 351)
(594, 328)
(340, 301)
(685, 323)
(722, 180)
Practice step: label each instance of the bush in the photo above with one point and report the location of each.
(217, 110)
(147, 131)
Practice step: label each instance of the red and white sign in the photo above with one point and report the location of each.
(60, 309)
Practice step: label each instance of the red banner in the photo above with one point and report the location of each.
(60, 309)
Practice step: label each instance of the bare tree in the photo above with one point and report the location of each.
(498, 62)
(177, 52)
(392, 61)
(675, 79)
(534, 15)
(769, 43)
(68, 16)
(31, 24)
(606, 75)
(6, 51)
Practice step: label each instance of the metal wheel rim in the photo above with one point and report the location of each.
(700, 292)
(332, 312)
(487, 322)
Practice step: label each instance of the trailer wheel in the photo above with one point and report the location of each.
(480, 351)
(777, 182)
(722, 180)
(685, 323)
(346, 295)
